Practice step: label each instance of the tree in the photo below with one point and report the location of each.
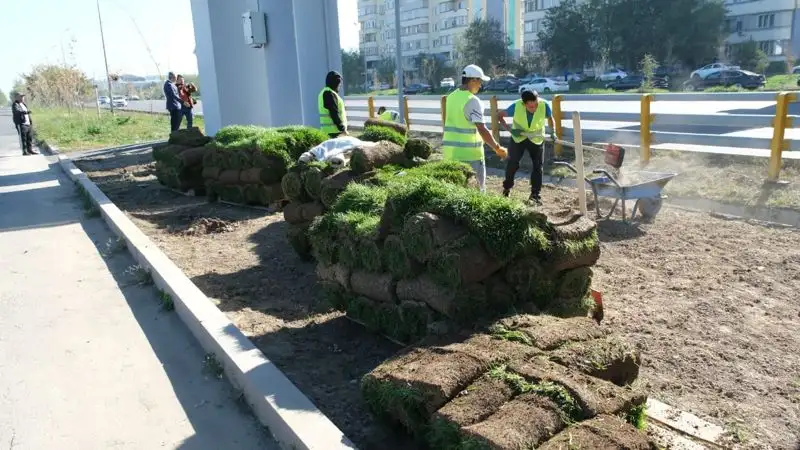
(431, 68)
(748, 56)
(3, 98)
(483, 43)
(567, 35)
(52, 85)
(648, 66)
(528, 64)
(385, 69)
(352, 70)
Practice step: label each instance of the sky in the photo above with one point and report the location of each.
(68, 31)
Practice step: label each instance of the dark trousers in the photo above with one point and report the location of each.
(187, 112)
(515, 153)
(26, 138)
(175, 117)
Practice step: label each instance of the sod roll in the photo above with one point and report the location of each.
(190, 137)
(397, 261)
(602, 432)
(297, 235)
(293, 189)
(229, 177)
(210, 172)
(398, 127)
(296, 213)
(332, 186)
(370, 157)
(191, 157)
(467, 264)
(375, 286)
(337, 273)
(425, 234)
(312, 181)
(418, 148)
(270, 193)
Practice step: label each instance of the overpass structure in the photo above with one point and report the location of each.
(274, 81)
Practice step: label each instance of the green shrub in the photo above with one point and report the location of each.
(377, 134)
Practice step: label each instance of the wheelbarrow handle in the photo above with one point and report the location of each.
(605, 172)
(565, 164)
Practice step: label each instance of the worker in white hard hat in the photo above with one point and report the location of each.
(464, 129)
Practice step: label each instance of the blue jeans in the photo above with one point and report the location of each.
(187, 112)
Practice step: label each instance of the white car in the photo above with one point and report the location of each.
(119, 101)
(134, 97)
(708, 69)
(613, 75)
(545, 86)
(447, 83)
(103, 100)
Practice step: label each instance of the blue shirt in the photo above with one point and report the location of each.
(548, 113)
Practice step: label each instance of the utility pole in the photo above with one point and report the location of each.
(399, 62)
(105, 59)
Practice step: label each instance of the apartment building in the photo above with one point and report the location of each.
(426, 26)
(773, 24)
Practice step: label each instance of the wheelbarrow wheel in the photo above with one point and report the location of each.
(649, 207)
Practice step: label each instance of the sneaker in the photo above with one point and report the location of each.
(535, 199)
(506, 192)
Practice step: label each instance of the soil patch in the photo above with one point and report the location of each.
(710, 303)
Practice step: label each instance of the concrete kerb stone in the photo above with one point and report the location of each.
(295, 422)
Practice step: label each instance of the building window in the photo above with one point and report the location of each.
(772, 48)
(533, 26)
(447, 6)
(371, 37)
(766, 21)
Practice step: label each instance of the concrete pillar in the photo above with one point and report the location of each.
(271, 86)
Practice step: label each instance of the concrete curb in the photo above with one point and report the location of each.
(295, 422)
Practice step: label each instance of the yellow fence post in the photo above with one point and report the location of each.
(495, 122)
(371, 106)
(644, 130)
(557, 116)
(444, 109)
(406, 113)
(779, 124)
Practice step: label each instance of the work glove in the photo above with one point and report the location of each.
(501, 152)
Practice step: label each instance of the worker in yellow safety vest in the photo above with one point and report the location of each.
(528, 114)
(464, 129)
(390, 115)
(332, 115)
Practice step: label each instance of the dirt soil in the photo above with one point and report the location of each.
(711, 302)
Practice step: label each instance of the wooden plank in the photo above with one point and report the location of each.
(684, 422)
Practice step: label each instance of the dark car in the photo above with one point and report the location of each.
(416, 88)
(635, 82)
(502, 84)
(727, 78)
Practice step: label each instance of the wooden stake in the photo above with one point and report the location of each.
(581, 182)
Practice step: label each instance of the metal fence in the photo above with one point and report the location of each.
(648, 129)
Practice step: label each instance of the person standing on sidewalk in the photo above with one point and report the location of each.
(464, 129)
(528, 114)
(332, 114)
(185, 92)
(173, 101)
(22, 122)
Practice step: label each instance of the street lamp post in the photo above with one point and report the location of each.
(399, 62)
(105, 59)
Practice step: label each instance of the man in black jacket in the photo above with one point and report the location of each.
(22, 121)
(173, 101)
(333, 117)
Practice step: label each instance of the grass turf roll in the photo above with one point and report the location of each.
(292, 185)
(380, 133)
(418, 148)
(396, 260)
(367, 158)
(300, 139)
(297, 235)
(333, 186)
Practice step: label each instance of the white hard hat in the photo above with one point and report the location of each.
(473, 71)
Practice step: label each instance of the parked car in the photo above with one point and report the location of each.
(612, 75)
(416, 88)
(545, 86)
(708, 69)
(119, 101)
(384, 86)
(505, 83)
(447, 83)
(103, 100)
(635, 82)
(727, 78)
(133, 97)
(573, 76)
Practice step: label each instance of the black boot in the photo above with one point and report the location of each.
(536, 199)
(506, 192)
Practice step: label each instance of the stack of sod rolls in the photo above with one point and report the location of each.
(312, 188)
(245, 164)
(179, 162)
(522, 382)
(405, 253)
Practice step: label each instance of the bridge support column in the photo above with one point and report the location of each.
(270, 86)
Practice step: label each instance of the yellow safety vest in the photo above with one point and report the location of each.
(325, 122)
(461, 141)
(520, 130)
(387, 115)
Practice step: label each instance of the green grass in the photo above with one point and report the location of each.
(781, 83)
(637, 416)
(212, 366)
(568, 406)
(167, 304)
(82, 129)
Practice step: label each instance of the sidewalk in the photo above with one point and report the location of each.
(88, 360)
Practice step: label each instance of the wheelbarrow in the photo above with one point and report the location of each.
(646, 190)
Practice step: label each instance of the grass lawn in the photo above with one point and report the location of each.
(82, 129)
